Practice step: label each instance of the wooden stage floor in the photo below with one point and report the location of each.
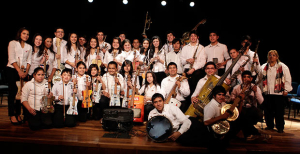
(88, 138)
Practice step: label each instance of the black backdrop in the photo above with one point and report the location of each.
(274, 24)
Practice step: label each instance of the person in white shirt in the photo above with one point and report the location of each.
(49, 57)
(128, 53)
(37, 54)
(168, 46)
(92, 53)
(194, 72)
(144, 61)
(122, 36)
(32, 94)
(186, 131)
(238, 80)
(59, 35)
(136, 44)
(148, 90)
(19, 54)
(114, 54)
(182, 90)
(104, 46)
(62, 91)
(82, 42)
(174, 55)
(72, 49)
(276, 83)
(249, 114)
(83, 81)
(218, 51)
(157, 59)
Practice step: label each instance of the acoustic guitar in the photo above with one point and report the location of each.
(47, 103)
(171, 98)
(87, 102)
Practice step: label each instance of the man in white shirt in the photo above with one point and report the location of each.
(218, 52)
(59, 35)
(193, 54)
(174, 56)
(182, 89)
(168, 46)
(249, 114)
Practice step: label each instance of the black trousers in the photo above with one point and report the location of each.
(39, 121)
(273, 106)
(103, 104)
(12, 78)
(82, 112)
(59, 120)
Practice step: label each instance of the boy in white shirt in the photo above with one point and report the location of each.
(62, 91)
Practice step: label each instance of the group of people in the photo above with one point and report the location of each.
(112, 71)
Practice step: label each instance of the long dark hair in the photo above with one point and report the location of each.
(90, 69)
(69, 44)
(122, 71)
(40, 53)
(18, 36)
(120, 45)
(88, 49)
(143, 48)
(43, 46)
(152, 48)
(154, 80)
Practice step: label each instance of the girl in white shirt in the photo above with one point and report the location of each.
(49, 56)
(114, 54)
(157, 58)
(144, 61)
(32, 94)
(72, 51)
(129, 54)
(148, 90)
(92, 53)
(19, 54)
(37, 53)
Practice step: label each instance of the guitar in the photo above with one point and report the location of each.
(137, 102)
(115, 94)
(73, 102)
(128, 92)
(170, 99)
(97, 61)
(86, 102)
(47, 103)
(97, 91)
(20, 84)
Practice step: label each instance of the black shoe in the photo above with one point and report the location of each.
(268, 128)
(14, 123)
(280, 131)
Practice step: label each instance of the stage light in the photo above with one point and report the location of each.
(163, 3)
(192, 4)
(91, 1)
(125, 2)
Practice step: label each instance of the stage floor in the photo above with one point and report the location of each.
(88, 138)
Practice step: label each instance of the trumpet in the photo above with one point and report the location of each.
(147, 24)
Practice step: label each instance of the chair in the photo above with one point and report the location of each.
(3, 85)
(295, 102)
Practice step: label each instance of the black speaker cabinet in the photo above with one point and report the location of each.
(117, 119)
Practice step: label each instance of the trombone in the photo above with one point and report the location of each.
(147, 24)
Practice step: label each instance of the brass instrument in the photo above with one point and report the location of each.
(255, 55)
(147, 24)
(205, 94)
(186, 36)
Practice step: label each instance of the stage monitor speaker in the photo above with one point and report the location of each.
(117, 119)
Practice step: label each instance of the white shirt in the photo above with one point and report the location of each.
(157, 65)
(51, 62)
(212, 110)
(22, 56)
(175, 57)
(149, 91)
(175, 115)
(35, 62)
(70, 57)
(258, 95)
(271, 76)
(32, 92)
(91, 57)
(106, 46)
(234, 69)
(129, 55)
(108, 57)
(109, 81)
(188, 52)
(63, 48)
(219, 51)
(81, 82)
(200, 84)
(57, 90)
(249, 64)
(168, 83)
(168, 47)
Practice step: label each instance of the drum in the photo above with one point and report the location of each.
(159, 128)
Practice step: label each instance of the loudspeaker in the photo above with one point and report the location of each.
(117, 119)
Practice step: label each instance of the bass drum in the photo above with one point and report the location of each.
(159, 128)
